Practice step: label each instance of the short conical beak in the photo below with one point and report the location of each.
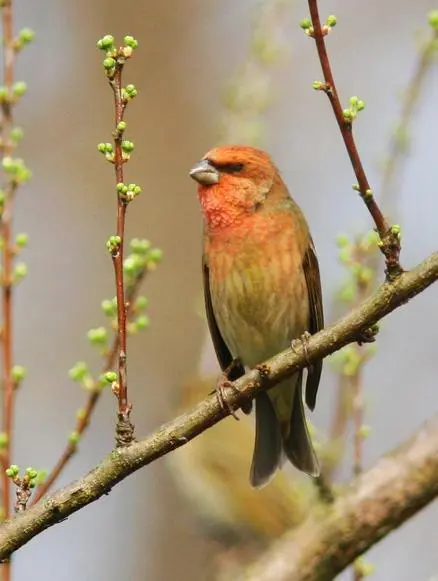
(204, 173)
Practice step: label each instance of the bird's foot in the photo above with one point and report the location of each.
(304, 342)
(223, 383)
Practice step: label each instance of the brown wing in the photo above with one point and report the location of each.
(316, 323)
(223, 354)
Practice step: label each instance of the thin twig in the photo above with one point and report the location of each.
(390, 239)
(417, 464)
(7, 259)
(83, 421)
(411, 96)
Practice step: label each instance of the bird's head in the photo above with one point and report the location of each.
(234, 183)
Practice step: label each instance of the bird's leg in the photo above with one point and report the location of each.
(304, 341)
(223, 383)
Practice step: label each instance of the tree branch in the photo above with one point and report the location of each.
(124, 461)
(390, 239)
(382, 499)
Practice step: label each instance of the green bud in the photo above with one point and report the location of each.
(356, 187)
(12, 471)
(129, 92)
(121, 126)
(142, 322)
(110, 376)
(354, 101)
(79, 371)
(347, 293)
(26, 35)
(132, 264)
(20, 271)
(113, 243)
(140, 245)
(98, 336)
(109, 308)
(141, 303)
(122, 188)
(105, 42)
(348, 115)
(18, 373)
(155, 255)
(17, 134)
(396, 230)
(364, 431)
(127, 146)
(344, 254)
(318, 85)
(31, 473)
(22, 240)
(130, 41)
(109, 63)
(342, 240)
(19, 88)
(4, 440)
(331, 20)
(433, 19)
(305, 23)
(73, 437)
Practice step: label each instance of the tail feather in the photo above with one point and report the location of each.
(298, 444)
(268, 443)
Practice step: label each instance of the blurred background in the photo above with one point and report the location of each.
(207, 72)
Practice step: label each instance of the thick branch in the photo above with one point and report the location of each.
(382, 499)
(124, 461)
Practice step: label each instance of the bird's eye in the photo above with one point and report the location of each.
(228, 167)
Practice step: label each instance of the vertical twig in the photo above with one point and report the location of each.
(390, 237)
(124, 406)
(118, 156)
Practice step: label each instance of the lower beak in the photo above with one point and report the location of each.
(204, 173)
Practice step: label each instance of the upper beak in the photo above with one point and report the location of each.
(204, 173)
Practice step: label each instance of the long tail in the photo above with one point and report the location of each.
(298, 443)
(275, 438)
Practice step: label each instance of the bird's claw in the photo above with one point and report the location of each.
(304, 342)
(223, 383)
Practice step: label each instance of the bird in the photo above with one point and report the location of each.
(262, 293)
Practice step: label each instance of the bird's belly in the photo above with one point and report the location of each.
(260, 308)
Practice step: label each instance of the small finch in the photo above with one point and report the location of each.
(262, 290)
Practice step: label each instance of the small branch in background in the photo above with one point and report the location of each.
(249, 92)
(399, 144)
(14, 173)
(415, 465)
(389, 235)
(118, 156)
(94, 388)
